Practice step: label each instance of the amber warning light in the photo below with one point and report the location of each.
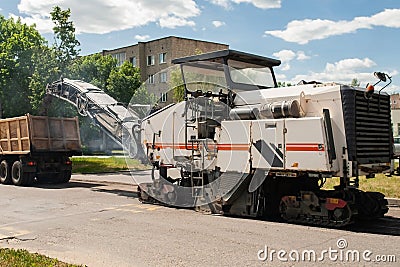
(382, 77)
(369, 91)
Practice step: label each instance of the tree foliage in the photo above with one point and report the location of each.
(94, 69)
(176, 81)
(355, 82)
(284, 84)
(65, 40)
(45, 70)
(143, 97)
(123, 82)
(176, 85)
(20, 50)
(28, 64)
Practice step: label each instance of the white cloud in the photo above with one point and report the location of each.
(286, 56)
(302, 56)
(280, 77)
(173, 22)
(218, 23)
(342, 71)
(263, 4)
(224, 3)
(303, 31)
(43, 24)
(142, 38)
(350, 65)
(103, 16)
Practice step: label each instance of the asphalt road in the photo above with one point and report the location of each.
(96, 220)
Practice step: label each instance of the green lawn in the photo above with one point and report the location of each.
(390, 186)
(104, 164)
(22, 258)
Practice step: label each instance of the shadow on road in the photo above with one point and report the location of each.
(109, 188)
(385, 226)
(119, 192)
(102, 174)
(68, 185)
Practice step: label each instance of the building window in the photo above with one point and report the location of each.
(120, 57)
(163, 77)
(133, 61)
(150, 60)
(151, 79)
(163, 58)
(163, 97)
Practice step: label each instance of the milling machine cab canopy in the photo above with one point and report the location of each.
(235, 70)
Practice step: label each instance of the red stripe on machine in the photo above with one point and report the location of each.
(224, 147)
(305, 147)
(239, 147)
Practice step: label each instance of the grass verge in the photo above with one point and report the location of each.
(104, 164)
(22, 258)
(390, 186)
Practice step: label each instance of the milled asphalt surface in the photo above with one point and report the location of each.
(97, 220)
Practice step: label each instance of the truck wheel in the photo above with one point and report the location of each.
(19, 177)
(64, 177)
(5, 172)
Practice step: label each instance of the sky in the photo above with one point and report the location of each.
(321, 40)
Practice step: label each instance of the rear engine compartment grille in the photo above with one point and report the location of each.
(368, 126)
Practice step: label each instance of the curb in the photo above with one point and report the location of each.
(393, 202)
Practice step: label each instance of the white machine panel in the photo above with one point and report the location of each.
(305, 143)
(268, 144)
(171, 143)
(234, 146)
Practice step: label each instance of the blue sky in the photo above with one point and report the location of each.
(324, 40)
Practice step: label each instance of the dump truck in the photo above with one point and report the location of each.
(37, 148)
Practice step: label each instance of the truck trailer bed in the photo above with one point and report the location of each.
(32, 134)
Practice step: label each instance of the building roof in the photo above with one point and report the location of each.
(162, 38)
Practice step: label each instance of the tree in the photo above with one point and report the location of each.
(143, 97)
(20, 50)
(45, 70)
(123, 82)
(176, 81)
(52, 62)
(94, 69)
(65, 41)
(284, 84)
(355, 82)
(176, 85)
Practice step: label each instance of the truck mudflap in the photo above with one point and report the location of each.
(332, 208)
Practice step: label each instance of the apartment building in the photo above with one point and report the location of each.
(154, 56)
(395, 101)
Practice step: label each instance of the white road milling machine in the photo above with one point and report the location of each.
(240, 145)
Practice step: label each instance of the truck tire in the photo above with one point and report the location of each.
(64, 177)
(19, 177)
(5, 172)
